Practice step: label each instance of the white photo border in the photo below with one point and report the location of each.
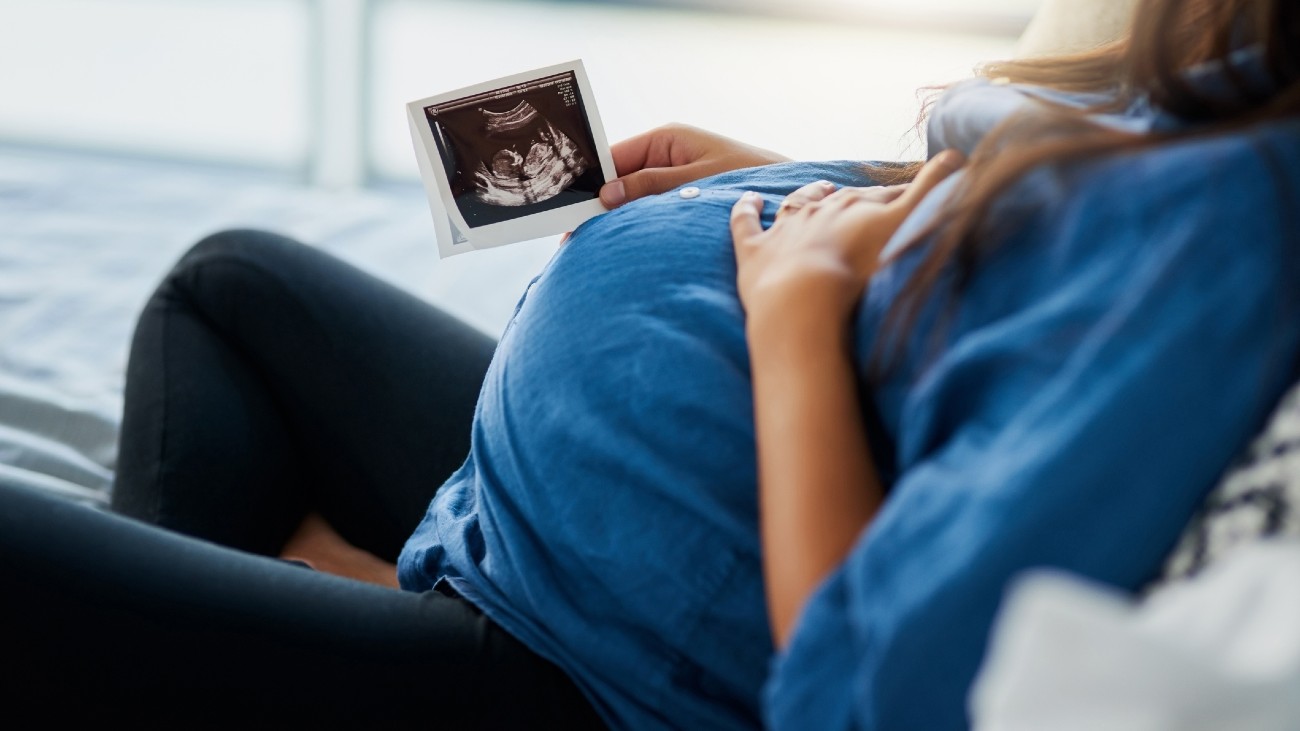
(446, 213)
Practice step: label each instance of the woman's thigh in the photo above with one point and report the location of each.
(268, 378)
(107, 617)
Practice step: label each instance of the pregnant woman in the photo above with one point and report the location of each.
(764, 451)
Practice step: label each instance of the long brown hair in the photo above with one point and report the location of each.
(1167, 38)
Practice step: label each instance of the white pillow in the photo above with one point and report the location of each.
(1221, 653)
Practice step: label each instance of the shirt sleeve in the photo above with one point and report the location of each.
(965, 113)
(1078, 430)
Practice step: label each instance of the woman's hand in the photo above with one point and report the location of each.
(666, 157)
(824, 246)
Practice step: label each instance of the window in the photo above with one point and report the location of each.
(317, 86)
(198, 80)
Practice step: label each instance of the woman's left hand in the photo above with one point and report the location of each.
(824, 246)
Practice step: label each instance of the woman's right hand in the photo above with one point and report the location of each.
(812, 265)
(668, 156)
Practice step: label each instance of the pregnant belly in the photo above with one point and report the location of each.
(621, 391)
(607, 514)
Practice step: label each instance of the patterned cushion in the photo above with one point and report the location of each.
(1258, 498)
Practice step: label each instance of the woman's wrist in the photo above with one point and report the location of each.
(823, 304)
(796, 334)
(817, 485)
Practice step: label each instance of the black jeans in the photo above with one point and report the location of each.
(267, 379)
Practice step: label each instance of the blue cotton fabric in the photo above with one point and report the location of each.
(1099, 373)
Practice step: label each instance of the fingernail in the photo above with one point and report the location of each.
(750, 195)
(827, 184)
(612, 194)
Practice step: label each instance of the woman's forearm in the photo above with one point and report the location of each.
(818, 487)
(800, 281)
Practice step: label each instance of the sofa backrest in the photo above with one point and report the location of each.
(1064, 26)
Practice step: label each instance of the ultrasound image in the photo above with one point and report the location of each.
(517, 151)
(541, 162)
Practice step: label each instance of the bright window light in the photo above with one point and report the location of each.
(317, 86)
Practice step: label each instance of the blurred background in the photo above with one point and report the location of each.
(316, 86)
(131, 128)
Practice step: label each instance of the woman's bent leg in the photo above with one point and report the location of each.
(268, 378)
(108, 618)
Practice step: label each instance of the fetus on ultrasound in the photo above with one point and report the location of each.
(535, 162)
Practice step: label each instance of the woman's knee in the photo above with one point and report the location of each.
(227, 261)
(220, 268)
(238, 243)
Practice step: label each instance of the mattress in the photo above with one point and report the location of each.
(84, 239)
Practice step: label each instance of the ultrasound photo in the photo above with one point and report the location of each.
(516, 151)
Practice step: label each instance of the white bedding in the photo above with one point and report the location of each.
(83, 241)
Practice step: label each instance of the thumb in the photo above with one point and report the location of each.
(650, 181)
(934, 172)
(745, 218)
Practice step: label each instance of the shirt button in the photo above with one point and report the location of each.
(689, 193)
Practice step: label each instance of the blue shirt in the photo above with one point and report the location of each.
(1099, 373)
